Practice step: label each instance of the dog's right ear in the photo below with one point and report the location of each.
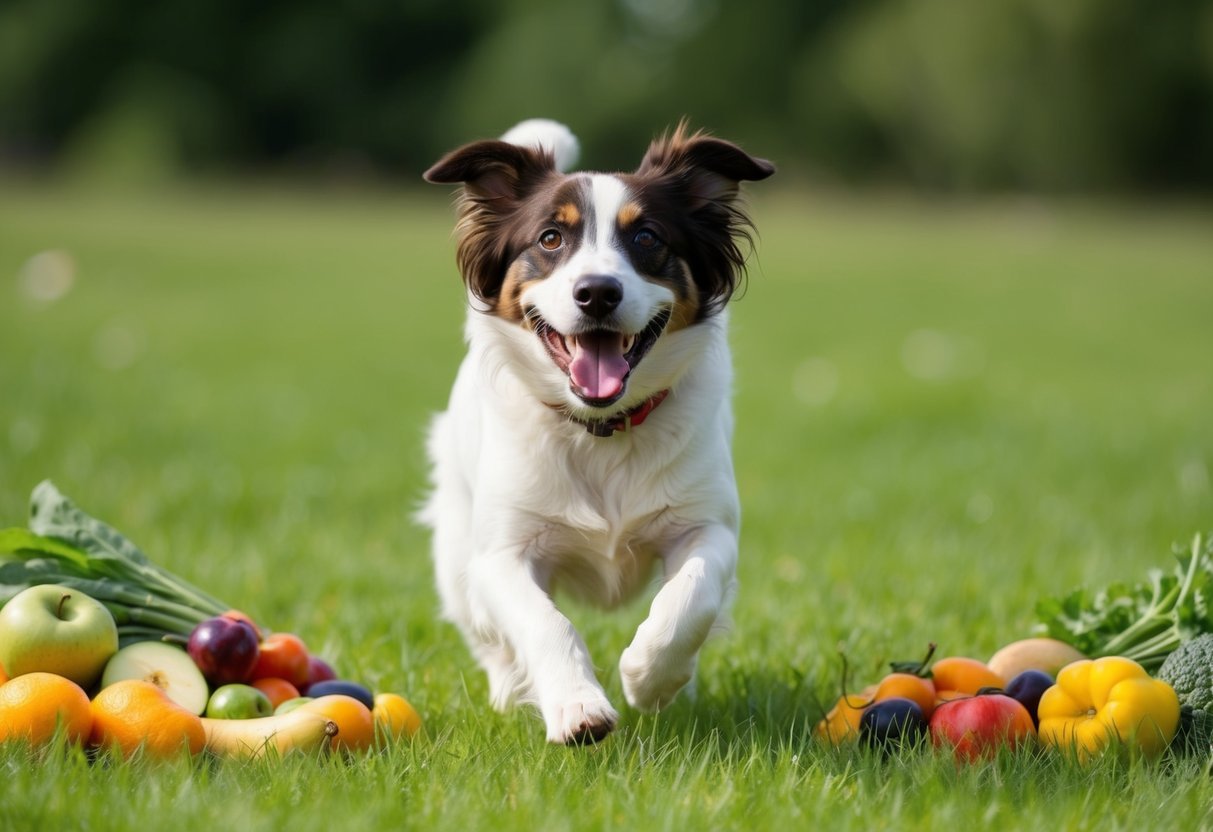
(496, 176)
(493, 169)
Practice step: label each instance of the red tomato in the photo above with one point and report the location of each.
(276, 690)
(282, 656)
(977, 726)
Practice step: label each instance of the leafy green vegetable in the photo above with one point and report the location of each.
(1146, 621)
(1190, 671)
(66, 546)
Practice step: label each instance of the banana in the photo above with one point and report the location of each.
(297, 730)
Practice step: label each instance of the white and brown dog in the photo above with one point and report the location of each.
(588, 432)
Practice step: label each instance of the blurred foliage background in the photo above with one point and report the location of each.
(1052, 95)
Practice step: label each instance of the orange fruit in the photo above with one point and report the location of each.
(34, 705)
(957, 676)
(841, 724)
(277, 690)
(907, 686)
(3, 675)
(395, 717)
(355, 724)
(135, 714)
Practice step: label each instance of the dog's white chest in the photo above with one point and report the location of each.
(597, 533)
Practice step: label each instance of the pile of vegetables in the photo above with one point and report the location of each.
(1127, 666)
(221, 682)
(962, 706)
(66, 546)
(1144, 621)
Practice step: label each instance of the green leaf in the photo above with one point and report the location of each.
(24, 543)
(109, 554)
(1146, 619)
(54, 515)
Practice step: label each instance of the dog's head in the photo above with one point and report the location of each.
(599, 268)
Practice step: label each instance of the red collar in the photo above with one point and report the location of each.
(624, 421)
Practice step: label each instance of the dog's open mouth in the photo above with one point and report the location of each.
(599, 361)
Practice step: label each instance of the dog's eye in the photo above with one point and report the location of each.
(646, 239)
(551, 239)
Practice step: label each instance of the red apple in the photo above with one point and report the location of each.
(976, 727)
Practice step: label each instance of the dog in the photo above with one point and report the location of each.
(588, 434)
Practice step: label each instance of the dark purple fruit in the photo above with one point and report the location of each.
(332, 686)
(318, 670)
(1027, 687)
(892, 723)
(225, 649)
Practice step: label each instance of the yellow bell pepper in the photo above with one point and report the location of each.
(1108, 702)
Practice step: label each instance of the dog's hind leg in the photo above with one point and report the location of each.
(700, 582)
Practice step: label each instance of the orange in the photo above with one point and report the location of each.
(395, 717)
(135, 714)
(907, 686)
(33, 705)
(3, 675)
(841, 724)
(277, 690)
(958, 676)
(355, 724)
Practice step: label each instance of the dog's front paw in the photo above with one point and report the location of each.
(580, 720)
(651, 685)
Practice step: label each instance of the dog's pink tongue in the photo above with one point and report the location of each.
(598, 366)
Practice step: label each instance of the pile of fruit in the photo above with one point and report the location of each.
(1035, 691)
(1085, 689)
(100, 646)
(228, 690)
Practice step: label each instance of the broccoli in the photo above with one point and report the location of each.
(1190, 671)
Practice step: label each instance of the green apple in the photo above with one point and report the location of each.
(54, 629)
(167, 667)
(236, 701)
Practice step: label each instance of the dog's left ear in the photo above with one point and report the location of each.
(701, 174)
(707, 168)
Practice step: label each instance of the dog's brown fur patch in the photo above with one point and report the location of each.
(628, 214)
(568, 214)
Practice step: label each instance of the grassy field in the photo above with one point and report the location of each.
(946, 411)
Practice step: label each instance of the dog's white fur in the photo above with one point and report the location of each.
(525, 500)
(548, 135)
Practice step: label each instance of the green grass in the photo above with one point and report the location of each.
(945, 412)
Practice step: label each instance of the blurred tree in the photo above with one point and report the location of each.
(1017, 93)
(225, 83)
(1081, 94)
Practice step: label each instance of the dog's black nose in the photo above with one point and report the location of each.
(597, 294)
